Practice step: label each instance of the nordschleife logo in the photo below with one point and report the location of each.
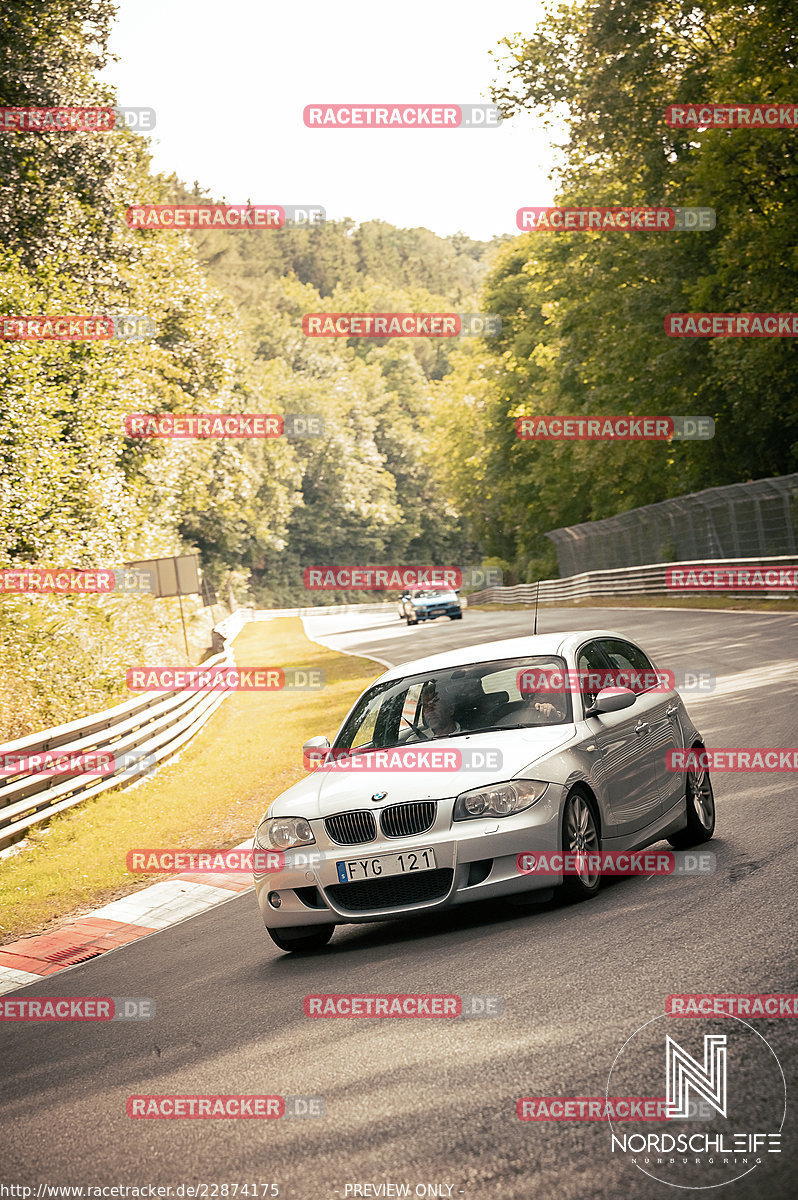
(726, 1101)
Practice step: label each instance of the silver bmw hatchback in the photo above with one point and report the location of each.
(449, 769)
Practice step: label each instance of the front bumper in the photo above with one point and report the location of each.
(423, 614)
(475, 860)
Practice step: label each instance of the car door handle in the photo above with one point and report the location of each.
(641, 726)
(674, 708)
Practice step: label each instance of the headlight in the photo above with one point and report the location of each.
(281, 833)
(499, 799)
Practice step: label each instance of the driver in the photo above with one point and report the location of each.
(437, 709)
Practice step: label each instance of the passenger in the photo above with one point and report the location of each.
(546, 708)
(549, 712)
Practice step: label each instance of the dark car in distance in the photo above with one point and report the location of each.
(427, 603)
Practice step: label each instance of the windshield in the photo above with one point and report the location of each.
(429, 594)
(455, 701)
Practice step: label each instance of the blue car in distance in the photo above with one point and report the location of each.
(427, 603)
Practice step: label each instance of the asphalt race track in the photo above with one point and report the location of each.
(432, 1102)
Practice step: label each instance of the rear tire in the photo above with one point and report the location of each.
(302, 937)
(700, 804)
(579, 833)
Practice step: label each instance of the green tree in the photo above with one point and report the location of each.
(583, 313)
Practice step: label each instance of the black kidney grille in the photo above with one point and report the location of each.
(403, 820)
(349, 829)
(398, 891)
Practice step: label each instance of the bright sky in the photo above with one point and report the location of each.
(229, 82)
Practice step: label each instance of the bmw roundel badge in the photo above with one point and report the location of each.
(379, 795)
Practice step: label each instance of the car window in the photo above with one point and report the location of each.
(410, 713)
(503, 681)
(457, 701)
(365, 732)
(590, 661)
(428, 594)
(636, 670)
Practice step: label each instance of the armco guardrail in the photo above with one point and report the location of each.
(139, 733)
(621, 581)
(153, 726)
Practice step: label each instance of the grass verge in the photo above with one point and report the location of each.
(212, 796)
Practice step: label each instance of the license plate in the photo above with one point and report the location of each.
(352, 869)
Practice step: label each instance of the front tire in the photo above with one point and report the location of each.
(580, 834)
(302, 937)
(411, 622)
(700, 804)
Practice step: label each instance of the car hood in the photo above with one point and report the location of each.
(331, 791)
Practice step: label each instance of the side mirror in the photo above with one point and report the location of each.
(610, 700)
(314, 752)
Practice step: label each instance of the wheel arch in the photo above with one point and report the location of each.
(582, 786)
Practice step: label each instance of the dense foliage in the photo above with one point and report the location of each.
(420, 462)
(583, 313)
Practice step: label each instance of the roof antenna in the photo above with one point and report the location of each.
(537, 594)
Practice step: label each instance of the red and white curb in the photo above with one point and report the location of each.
(135, 916)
